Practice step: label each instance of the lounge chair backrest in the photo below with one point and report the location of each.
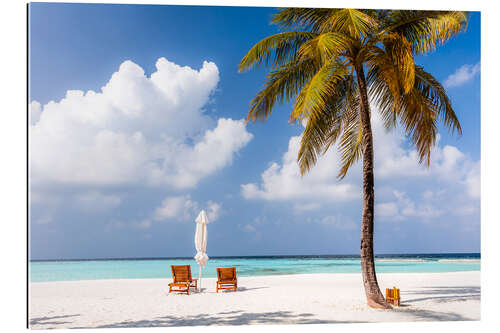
(226, 274)
(181, 273)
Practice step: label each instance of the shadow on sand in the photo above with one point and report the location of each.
(445, 294)
(438, 295)
(240, 317)
(51, 320)
(237, 317)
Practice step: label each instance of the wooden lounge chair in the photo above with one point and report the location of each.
(182, 279)
(392, 296)
(226, 279)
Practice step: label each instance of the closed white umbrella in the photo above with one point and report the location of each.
(200, 242)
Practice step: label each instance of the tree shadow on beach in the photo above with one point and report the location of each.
(445, 294)
(50, 320)
(428, 315)
(237, 317)
(437, 295)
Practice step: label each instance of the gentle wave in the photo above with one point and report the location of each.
(472, 261)
(401, 260)
(142, 269)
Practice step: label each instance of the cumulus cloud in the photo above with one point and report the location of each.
(452, 177)
(213, 210)
(137, 130)
(473, 181)
(462, 75)
(403, 207)
(174, 207)
(387, 209)
(35, 110)
(183, 208)
(284, 182)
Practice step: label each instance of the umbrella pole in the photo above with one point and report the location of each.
(199, 287)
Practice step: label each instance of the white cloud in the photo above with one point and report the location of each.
(462, 75)
(404, 207)
(452, 179)
(407, 207)
(393, 161)
(387, 209)
(183, 208)
(284, 182)
(184, 166)
(137, 130)
(473, 181)
(213, 210)
(35, 112)
(176, 207)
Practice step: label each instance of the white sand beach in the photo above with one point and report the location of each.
(290, 299)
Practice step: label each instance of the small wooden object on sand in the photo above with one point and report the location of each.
(392, 296)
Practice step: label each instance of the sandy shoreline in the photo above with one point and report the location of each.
(290, 299)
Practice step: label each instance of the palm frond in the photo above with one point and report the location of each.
(350, 146)
(425, 29)
(351, 22)
(349, 110)
(432, 89)
(323, 130)
(325, 45)
(314, 137)
(400, 53)
(419, 119)
(310, 19)
(316, 67)
(384, 85)
(277, 49)
(281, 85)
(448, 25)
(418, 110)
(314, 95)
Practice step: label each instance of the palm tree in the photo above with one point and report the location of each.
(335, 62)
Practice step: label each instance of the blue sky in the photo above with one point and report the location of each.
(122, 171)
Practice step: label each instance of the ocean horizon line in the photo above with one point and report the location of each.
(475, 255)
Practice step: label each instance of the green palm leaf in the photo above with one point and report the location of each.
(278, 49)
(282, 85)
(315, 94)
(425, 29)
(311, 19)
(351, 22)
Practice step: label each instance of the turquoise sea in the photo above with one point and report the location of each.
(70, 270)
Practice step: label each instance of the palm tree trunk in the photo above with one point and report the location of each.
(374, 297)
